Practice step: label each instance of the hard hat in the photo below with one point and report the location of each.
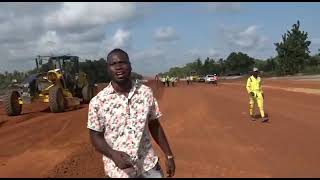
(255, 69)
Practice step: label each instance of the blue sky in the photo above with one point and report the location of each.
(157, 36)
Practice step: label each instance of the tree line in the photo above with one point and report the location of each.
(97, 70)
(293, 56)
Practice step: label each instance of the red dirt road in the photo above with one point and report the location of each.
(208, 129)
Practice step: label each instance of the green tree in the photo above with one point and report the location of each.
(199, 66)
(207, 66)
(260, 64)
(293, 51)
(222, 66)
(314, 60)
(193, 66)
(239, 63)
(270, 65)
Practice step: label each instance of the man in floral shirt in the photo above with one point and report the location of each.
(120, 118)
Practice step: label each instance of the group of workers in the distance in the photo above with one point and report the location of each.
(167, 80)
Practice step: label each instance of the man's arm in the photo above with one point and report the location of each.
(158, 135)
(260, 87)
(121, 159)
(100, 144)
(96, 129)
(248, 85)
(96, 133)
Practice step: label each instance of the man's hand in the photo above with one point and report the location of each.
(171, 167)
(252, 94)
(121, 159)
(262, 96)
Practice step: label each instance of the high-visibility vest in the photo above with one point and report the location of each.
(254, 85)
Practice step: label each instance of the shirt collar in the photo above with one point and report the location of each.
(110, 89)
(254, 77)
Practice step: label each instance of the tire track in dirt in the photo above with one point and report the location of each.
(41, 143)
(29, 111)
(218, 137)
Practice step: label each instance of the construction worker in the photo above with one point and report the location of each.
(255, 94)
(188, 80)
(215, 79)
(163, 80)
(173, 80)
(168, 80)
(156, 78)
(191, 79)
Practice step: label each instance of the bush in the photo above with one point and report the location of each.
(311, 70)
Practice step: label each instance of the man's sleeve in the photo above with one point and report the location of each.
(94, 120)
(154, 110)
(260, 86)
(248, 85)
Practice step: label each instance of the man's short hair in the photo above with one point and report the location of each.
(117, 51)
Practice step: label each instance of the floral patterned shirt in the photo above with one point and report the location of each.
(124, 121)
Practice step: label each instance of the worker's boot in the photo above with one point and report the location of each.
(265, 119)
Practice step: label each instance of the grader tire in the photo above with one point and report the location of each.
(87, 93)
(56, 100)
(11, 103)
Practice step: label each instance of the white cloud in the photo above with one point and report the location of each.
(148, 54)
(194, 52)
(122, 38)
(92, 35)
(76, 16)
(166, 34)
(223, 6)
(160, 59)
(245, 39)
(214, 53)
(30, 29)
(20, 30)
(151, 60)
(48, 43)
(204, 53)
(11, 10)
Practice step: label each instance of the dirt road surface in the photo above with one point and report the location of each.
(208, 129)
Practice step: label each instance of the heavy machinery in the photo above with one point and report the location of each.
(194, 76)
(57, 82)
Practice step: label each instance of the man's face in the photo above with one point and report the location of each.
(255, 73)
(119, 68)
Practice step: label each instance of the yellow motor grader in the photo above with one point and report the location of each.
(57, 82)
